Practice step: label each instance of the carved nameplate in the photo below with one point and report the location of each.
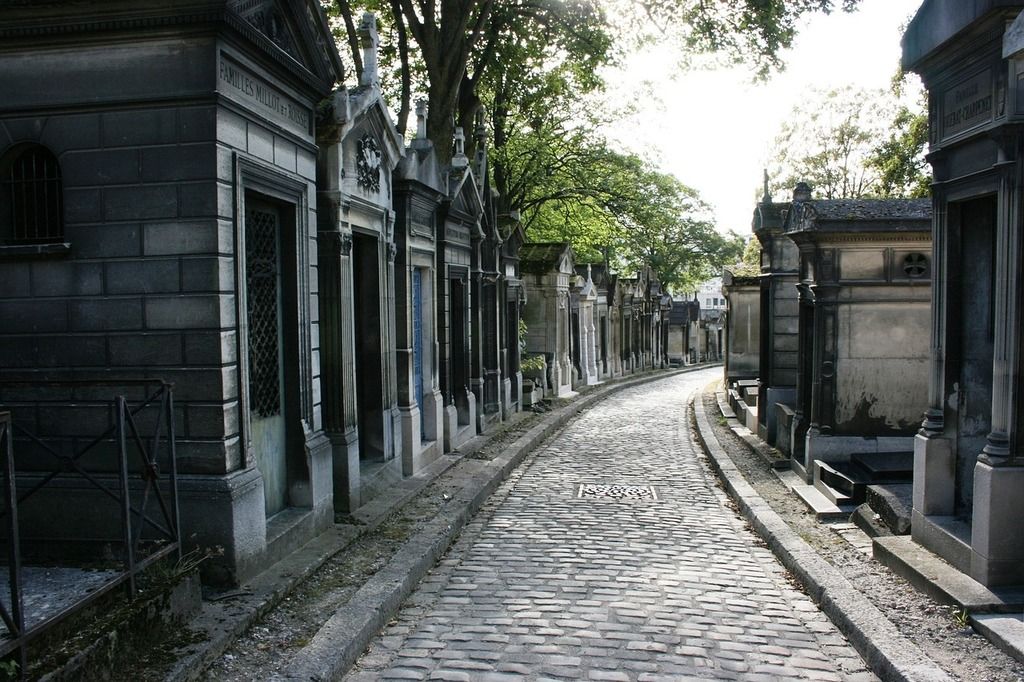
(967, 104)
(254, 93)
(422, 221)
(456, 232)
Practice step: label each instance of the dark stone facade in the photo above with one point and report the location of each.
(186, 156)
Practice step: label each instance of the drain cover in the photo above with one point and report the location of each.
(617, 491)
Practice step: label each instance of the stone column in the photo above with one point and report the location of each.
(1007, 319)
(337, 344)
(389, 361)
(934, 460)
(592, 329)
(805, 355)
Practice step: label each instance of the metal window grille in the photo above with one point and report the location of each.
(32, 186)
(262, 272)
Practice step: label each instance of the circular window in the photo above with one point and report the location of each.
(915, 264)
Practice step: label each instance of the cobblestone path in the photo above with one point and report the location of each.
(544, 584)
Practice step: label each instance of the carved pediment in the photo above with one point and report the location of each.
(373, 134)
(467, 200)
(297, 28)
(267, 17)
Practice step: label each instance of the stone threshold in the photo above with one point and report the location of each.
(225, 617)
(942, 581)
(817, 502)
(995, 614)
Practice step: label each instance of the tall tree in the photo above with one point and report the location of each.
(851, 143)
(458, 41)
(899, 159)
(828, 141)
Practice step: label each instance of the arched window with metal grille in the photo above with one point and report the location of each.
(31, 196)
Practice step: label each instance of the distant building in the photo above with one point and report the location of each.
(710, 296)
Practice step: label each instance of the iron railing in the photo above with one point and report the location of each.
(163, 524)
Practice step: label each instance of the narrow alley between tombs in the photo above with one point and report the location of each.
(611, 554)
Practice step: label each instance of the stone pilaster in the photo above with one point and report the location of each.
(337, 344)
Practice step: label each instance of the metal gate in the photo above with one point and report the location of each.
(266, 376)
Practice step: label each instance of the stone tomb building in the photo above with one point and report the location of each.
(359, 147)
(630, 302)
(486, 381)
(175, 236)
(459, 222)
(864, 310)
(584, 327)
(684, 313)
(617, 353)
(602, 321)
(742, 345)
(419, 189)
(743, 326)
(548, 271)
(512, 238)
(968, 464)
(777, 373)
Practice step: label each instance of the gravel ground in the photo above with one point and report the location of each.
(963, 653)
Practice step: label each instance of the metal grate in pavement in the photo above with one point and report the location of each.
(616, 491)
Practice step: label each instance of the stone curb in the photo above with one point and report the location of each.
(889, 654)
(349, 631)
(371, 607)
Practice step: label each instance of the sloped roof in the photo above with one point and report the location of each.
(768, 215)
(540, 256)
(873, 209)
(683, 311)
(859, 216)
(937, 22)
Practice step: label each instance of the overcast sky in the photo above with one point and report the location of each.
(713, 129)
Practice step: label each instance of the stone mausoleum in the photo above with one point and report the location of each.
(968, 465)
(359, 148)
(864, 311)
(173, 233)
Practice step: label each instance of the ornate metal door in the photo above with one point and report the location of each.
(265, 346)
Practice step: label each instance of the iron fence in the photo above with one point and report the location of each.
(152, 488)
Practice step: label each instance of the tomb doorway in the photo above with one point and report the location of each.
(270, 276)
(973, 227)
(459, 348)
(368, 331)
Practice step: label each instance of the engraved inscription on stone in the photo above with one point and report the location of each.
(967, 104)
(241, 85)
(616, 491)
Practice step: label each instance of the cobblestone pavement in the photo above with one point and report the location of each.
(614, 585)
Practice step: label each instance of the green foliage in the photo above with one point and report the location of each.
(832, 142)
(827, 142)
(749, 264)
(532, 363)
(900, 159)
(529, 65)
(571, 186)
(752, 32)
(445, 51)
